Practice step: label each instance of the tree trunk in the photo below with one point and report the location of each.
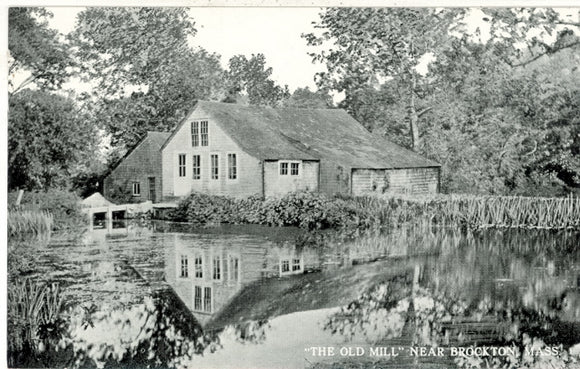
(412, 114)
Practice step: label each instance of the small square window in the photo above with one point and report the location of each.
(294, 169)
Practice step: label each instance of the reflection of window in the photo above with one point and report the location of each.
(234, 268)
(204, 133)
(198, 267)
(285, 266)
(216, 268)
(214, 166)
(232, 166)
(202, 299)
(207, 299)
(197, 298)
(184, 267)
(136, 189)
(181, 162)
(196, 167)
(295, 264)
(194, 133)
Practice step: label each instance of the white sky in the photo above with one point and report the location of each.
(273, 32)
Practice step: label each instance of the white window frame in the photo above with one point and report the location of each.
(204, 288)
(211, 166)
(231, 276)
(220, 266)
(289, 163)
(195, 258)
(180, 266)
(195, 134)
(201, 142)
(237, 166)
(179, 165)
(136, 185)
(290, 260)
(193, 168)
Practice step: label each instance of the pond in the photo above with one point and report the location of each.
(162, 294)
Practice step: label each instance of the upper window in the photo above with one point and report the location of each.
(204, 133)
(214, 166)
(198, 267)
(283, 168)
(196, 167)
(136, 189)
(217, 268)
(194, 133)
(232, 166)
(184, 267)
(181, 162)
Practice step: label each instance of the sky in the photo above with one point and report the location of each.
(273, 32)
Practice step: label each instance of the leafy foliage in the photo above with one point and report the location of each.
(252, 78)
(36, 49)
(48, 136)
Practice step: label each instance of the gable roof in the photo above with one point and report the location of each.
(309, 134)
(153, 138)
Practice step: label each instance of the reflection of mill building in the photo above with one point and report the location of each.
(207, 274)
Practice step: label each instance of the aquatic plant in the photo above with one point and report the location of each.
(34, 318)
(35, 222)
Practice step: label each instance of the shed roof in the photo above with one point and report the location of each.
(290, 133)
(153, 138)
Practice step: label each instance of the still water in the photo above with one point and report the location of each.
(161, 294)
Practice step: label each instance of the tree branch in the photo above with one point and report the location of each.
(545, 53)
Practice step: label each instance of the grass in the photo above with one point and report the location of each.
(26, 222)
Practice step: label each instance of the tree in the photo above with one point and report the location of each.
(147, 76)
(48, 136)
(35, 49)
(304, 98)
(252, 78)
(373, 45)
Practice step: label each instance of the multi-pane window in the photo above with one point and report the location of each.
(136, 189)
(202, 299)
(217, 271)
(194, 134)
(295, 264)
(204, 133)
(198, 267)
(197, 298)
(214, 166)
(184, 270)
(285, 266)
(196, 167)
(294, 169)
(181, 165)
(207, 299)
(283, 168)
(232, 166)
(234, 268)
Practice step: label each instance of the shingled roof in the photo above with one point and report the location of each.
(289, 133)
(154, 139)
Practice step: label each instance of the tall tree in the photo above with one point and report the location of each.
(251, 77)
(147, 75)
(304, 98)
(35, 49)
(48, 137)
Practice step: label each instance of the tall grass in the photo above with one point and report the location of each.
(33, 308)
(25, 222)
(482, 211)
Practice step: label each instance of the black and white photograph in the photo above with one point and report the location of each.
(297, 186)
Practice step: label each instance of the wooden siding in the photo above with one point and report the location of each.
(278, 185)
(414, 181)
(249, 169)
(143, 162)
(334, 178)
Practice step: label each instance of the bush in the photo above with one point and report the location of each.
(61, 203)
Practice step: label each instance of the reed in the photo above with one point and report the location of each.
(492, 211)
(24, 222)
(30, 306)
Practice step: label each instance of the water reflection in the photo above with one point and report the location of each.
(160, 294)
